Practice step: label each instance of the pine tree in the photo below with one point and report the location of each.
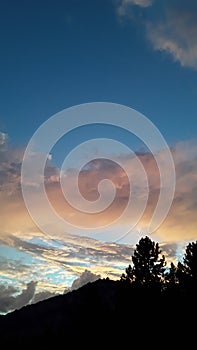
(190, 260)
(171, 277)
(188, 278)
(128, 277)
(148, 264)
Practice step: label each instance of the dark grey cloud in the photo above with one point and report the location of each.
(42, 296)
(11, 299)
(7, 298)
(26, 296)
(86, 277)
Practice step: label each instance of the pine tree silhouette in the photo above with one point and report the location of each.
(189, 267)
(148, 265)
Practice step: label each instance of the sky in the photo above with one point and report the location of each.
(141, 54)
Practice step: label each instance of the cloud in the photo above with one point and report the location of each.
(54, 261)
(12, 298)
(6, 297)
(86, 277)
(176, 35)
(169, 26)
(26, 296)
(179, 224)
(3, 138)
(42, 296)
(10, 301)
(124, 5)
(66, 259)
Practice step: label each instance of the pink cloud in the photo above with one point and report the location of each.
(180, 223)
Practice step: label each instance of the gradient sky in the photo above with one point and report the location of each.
(57, 54)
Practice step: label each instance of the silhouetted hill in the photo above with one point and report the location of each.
(101, 310)
(79, 311)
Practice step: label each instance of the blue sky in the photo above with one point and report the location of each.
(58, 54)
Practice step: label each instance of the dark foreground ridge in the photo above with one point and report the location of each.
(102, 310)
(148, 306)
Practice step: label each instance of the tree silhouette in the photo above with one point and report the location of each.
(188, 269)
(171, 277)
(190, 260)
(174, 279)
(183, 277)
(181, 274)
(128, 277)
(148, 265)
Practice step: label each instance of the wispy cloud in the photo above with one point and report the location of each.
(74, 255)
(176, 35)
(54, 262)
(105, 261)
(170, 26)
(123, 6)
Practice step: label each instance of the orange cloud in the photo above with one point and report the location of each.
(180, 223)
